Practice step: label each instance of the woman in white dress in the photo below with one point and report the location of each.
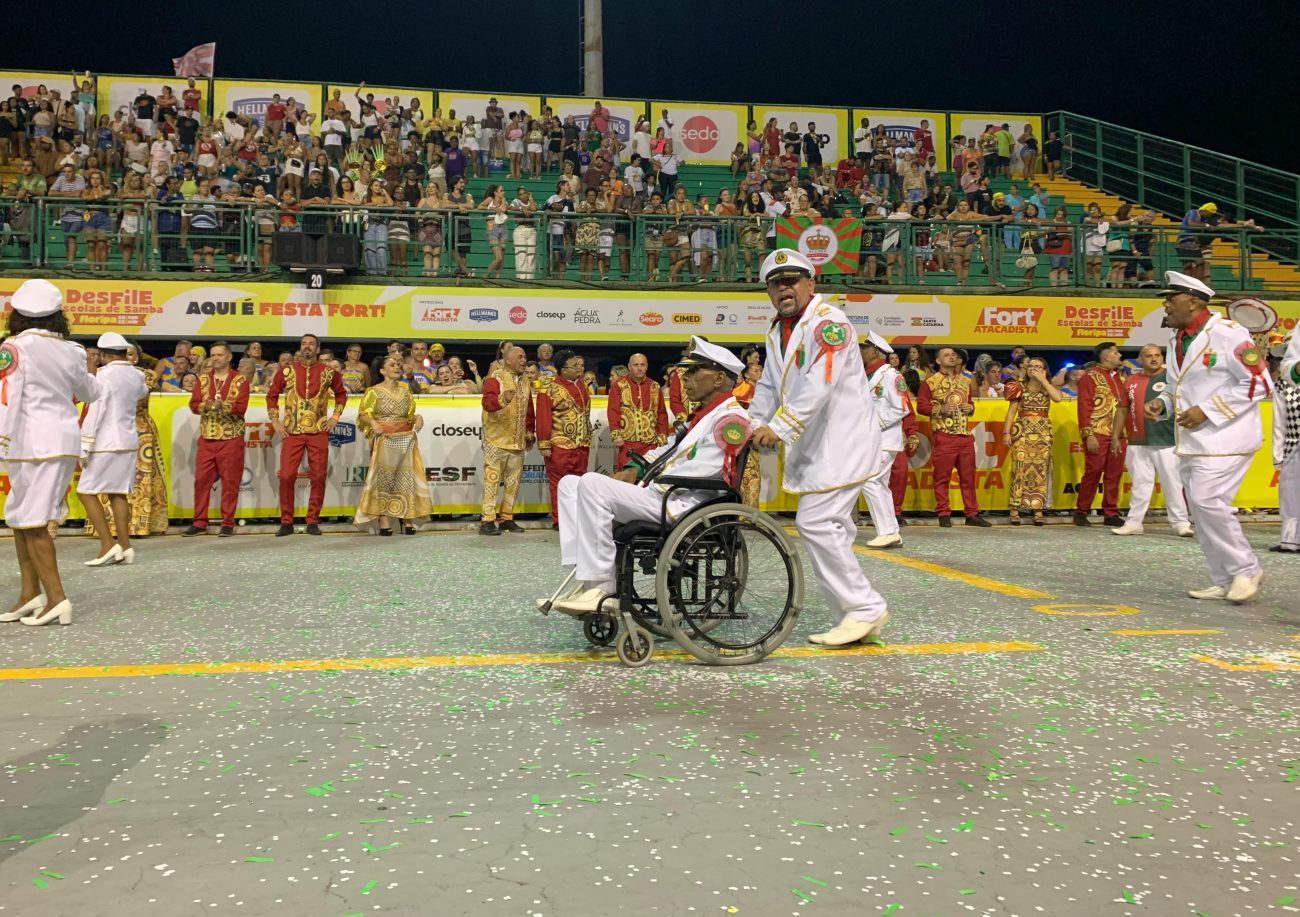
(41, 372)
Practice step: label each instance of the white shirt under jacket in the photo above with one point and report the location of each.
(825, 418)
(1214, 378)
(37, 417)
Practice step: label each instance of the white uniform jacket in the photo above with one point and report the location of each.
(40, 374)
(1291, 359)
(887, 388)
(1226, 376)
(700, 454)
(109, 424)
(814, 395)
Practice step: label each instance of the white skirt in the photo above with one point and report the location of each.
(108, 473)
(38, 492)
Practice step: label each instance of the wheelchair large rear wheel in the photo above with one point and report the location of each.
(729, 585)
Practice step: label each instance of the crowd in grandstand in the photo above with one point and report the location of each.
(399, 177)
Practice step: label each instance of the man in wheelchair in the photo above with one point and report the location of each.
(591, 504)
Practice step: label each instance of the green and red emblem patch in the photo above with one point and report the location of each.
(8, 359)
(901, 384)
(732, 431)
(832, 335)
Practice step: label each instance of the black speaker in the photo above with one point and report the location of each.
(340, 249)
(292, 248)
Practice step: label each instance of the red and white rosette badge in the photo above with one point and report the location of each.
(731, 432)
(830, 337)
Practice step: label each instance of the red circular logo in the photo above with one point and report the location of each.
(699, 134)
(518, 315)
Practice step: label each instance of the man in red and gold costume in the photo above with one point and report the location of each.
(945, 398)
(220, 399)
(564, 424)
(508, 425)
(637, 418)
(307, 385)
(1099, 392)
(898, 474)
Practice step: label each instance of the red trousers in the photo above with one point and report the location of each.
(317, 446)
(218, 459)
(561, 463)
(898, 481)
(954, 452)
(1105, 468)
(623, 450)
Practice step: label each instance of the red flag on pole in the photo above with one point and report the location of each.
(197, 61)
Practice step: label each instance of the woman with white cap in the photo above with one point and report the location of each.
(41, 372)
(108, 446)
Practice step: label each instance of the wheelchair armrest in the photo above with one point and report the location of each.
(682, 482)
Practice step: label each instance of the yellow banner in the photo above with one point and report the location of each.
(623, 113)
(476, 104)
(971, 124)
(899, 123)
(347, 95)
(120, 92)
(828, 123)
(251, 97)
(701, 131)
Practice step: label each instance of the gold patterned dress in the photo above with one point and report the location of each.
(395, 485)
(1031, 448)
(148, 496)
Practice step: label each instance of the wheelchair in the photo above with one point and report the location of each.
(723, 581)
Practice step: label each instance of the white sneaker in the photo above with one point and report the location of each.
(1184, 531)
(1243, 588)
(850, 631)
(886, 541)
(1209, 592)
(1128, 528)
(585, 602)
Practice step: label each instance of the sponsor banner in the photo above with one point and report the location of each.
(828, 124)
(31, 82)
(831, 246)
(623, 113)
(119, 92)
(972, 124)
(450, 447)
(900, 124)
(348, 95)
(476, 103)
(251, 97)
(702, 132)
(245, 311)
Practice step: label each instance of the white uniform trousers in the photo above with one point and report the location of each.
(590, 504)
(825, 525)
(880, 499)
(1288, 499)
(1211, 482)
(1144, 463)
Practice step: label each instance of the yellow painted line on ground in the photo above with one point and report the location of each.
(1172, 632)
(384, 663)
(961, 576)
(1257, 664)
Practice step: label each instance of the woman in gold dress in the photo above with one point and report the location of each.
(148, 497)
(395, 485)
(1027, 432)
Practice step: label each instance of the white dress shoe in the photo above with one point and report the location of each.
(112, 556)
(1243, 588)
(1128, 528)
(850, 631)
(128, 556)
(585, 602)
(886, 541)
(571, 592)
(1184, 531)
(22, 611)
(61, 612)
(1209, 592)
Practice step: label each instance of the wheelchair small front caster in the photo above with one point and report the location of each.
(635, 647)
(600, 630)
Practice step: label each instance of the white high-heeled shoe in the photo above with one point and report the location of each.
(62, 612)
(128, 556)
(112, 556)
(35, 604)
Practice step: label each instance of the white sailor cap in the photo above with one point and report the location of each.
(37, 299)
(1176, 283)
(786, 262)
(111, 340)
(702, 353)
(878, 342)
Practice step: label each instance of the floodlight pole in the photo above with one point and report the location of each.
(593, 50)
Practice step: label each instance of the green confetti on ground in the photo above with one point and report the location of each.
(52, 874)
(331, 835)
(966, 891)
(1128, 896)
(370, 848)
(369, 886)
(897, 831)
(813, 881)
(1285, 900)
(891, 909)
(636, 775)
(319, 790)
(259, 859)
(40, 883)
(927, 865)
(965, 826)
(802, 894)
(809, 824)
(589, 799)
(459, 815)
(113, 802)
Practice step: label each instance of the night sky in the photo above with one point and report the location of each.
(1218, 75)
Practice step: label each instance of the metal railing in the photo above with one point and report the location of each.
(561, 247)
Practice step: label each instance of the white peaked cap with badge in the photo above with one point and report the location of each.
(1182, 283)
(37, 299)
(702, 353)
(111, 340)
(786, 262)
(878, 342)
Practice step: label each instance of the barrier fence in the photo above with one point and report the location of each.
(236, 237)
(449, 444)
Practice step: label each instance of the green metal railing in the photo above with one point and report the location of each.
(552, 247)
